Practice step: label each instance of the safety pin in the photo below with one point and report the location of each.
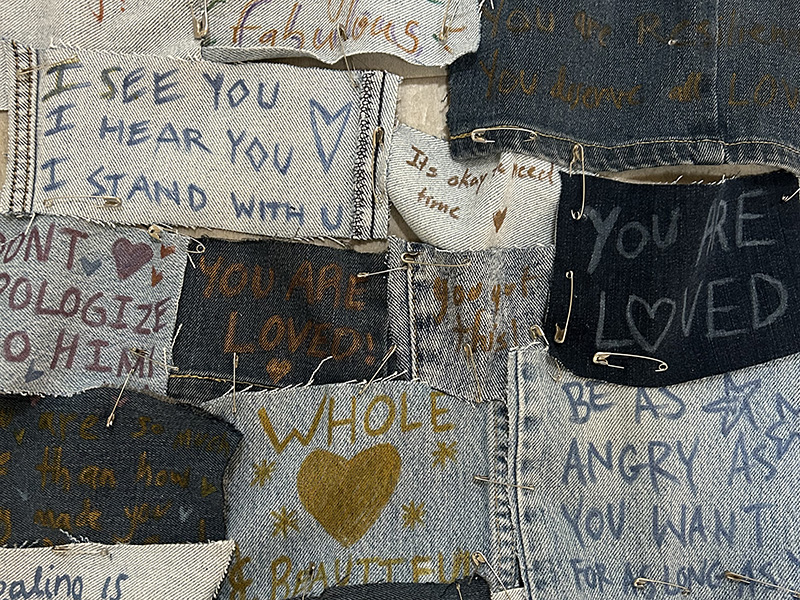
(377, 143)
(84, 548)
(235, 364)
(445, 30)
(739, 578)
(536, 334)
(561, 332)
(66, 61)
(471, 361)
(478, 558)
(364, 274)
(477, 135)
(107, 201)
(578, 154)
(601, 358)
(640, 583)
(493, 482)
(787, 198)
(342, 35)
(200, 25)
(155, 231)
(110, 420)
(458, 589)
(386, 358)
(408, 258)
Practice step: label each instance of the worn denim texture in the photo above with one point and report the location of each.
(154, 476)
(77, 298)
(469, 588)
(368, 485)
(261, 148)
(409, 29)
(140, 26)
(94, 571)
(677, 484)
(505, 200)
(283, 308)
(635, 84)
(704, 278)
(442, 302)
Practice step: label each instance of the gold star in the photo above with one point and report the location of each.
(443, 452)
(412, 514)
(283, 521)
(261, 473)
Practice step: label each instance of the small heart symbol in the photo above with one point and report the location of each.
(32, 374)
(278, 369)
(19, 435)
(155, 277)
(206, 487)
(651, 312)
(166, 250)
(345, 496)
(129, 258)
(90, 266)
(183, 513)
(499, 217)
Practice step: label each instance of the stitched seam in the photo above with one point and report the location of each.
(13, 173)
(633, 144)
(376, 152)
(362, 154)
(412, 322)
(29, 145)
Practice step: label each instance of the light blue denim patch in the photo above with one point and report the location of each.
(262, 148)
(365, 485)
(503, 200)
(454, 315)
(421, 32)
(119, 572)
(678, 484)
(77, 298)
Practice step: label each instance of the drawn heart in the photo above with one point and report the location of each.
(345, 496)
(129, 258)
(166, 250)
(155, 277)
(278, 369)
(651, 312)
(90, 266)
(499, 217)
(32, 374)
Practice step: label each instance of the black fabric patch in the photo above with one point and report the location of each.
(153, 477)
(701, 277)
(282, 308)
(470, 588)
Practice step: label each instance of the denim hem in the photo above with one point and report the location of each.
(501, 524)
(635, 155)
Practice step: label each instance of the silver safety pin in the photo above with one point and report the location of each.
(561, 332)
(107, 201)
(200, 25)
(739, 578)
(601, 358)
(578, 155)
(477, 135)
(640, 583)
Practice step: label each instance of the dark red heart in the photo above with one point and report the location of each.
(129, 258)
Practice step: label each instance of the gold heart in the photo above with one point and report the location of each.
(278, 369)
(345, 496)
(499, 217)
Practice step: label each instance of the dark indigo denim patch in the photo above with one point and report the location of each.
(154, 476)
(283, 308)
(693, 280)
(636, 84)
(469, 588)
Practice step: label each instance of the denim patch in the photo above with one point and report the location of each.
(76, 571)
(366, 484)
(454, 315)
(85, 306)
(269, 149)
(675, 484)
(154, 476)
(504, 200)
(470, 588)
(283, 308)
(612, 87)
(659, 284)
(329, 29)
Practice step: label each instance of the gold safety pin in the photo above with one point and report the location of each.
(200, 25)
(578, 155)
(561, 332)
(477, 135)
(601, 358)
(739, 578)
(640, 583)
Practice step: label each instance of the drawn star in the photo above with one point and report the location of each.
(734, 403)
(412, 514)
(443, 452)
(283, 521)
(262, 472)
(786, 429)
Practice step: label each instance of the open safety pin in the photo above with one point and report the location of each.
(739, 578)
(478, 135)
(601, 358)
